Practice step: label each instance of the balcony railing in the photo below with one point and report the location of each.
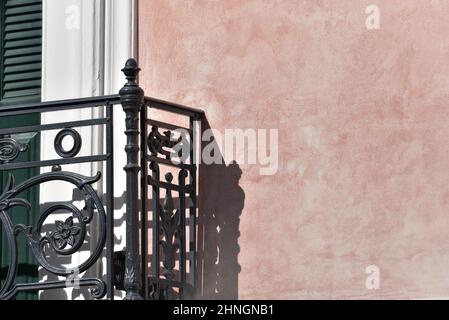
(72, 239)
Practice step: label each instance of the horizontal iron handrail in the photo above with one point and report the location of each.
(57, 105)
(173, 107)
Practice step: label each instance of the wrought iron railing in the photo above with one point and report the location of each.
(159, 264)
(173, 227)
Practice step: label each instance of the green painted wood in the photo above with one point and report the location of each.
(20, 82)
(21, 50)
(28, 270)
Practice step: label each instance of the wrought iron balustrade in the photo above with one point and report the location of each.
(159, 260)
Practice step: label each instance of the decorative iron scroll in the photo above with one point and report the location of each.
(66, 238)
(157, 142)
(10, 149)
(170, 231)
(170, 221)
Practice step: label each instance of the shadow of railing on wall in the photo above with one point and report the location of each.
(221, 204)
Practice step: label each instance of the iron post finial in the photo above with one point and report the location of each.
(131, 70)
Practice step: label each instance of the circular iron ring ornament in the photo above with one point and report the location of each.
(77, 141)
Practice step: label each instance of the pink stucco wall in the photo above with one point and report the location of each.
(363, 119)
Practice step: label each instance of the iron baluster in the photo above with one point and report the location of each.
(131, 97)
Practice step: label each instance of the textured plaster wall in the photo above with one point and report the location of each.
(363, 119)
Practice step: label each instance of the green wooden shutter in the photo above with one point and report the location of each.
(20, 82)
(21, 51)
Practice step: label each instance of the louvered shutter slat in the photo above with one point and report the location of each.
(22, 95)
(23, 34)
(21, 60)
(17, 3)
(23, 9)
(22, 68)
(23, 43)
(24, 26)
(22, 76)
(21, 50)
(23, 18)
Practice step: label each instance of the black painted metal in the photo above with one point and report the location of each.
(174, 108)
(173, 270)
(10, 149)
(65, 234)
(172, 218)
(144, 206)
(118, 267)
(77, 141)
(193, 207)
(110, 201)
(131, 96)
